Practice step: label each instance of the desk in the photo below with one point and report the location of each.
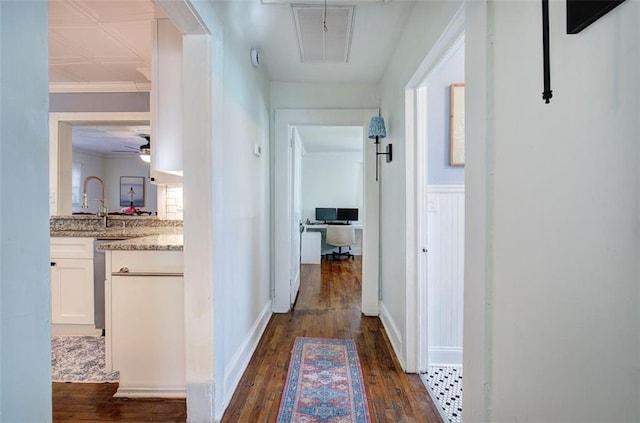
(311, 252)
(324, 226)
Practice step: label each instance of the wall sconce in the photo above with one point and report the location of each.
(377, 131)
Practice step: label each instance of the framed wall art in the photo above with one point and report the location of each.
(132, 191)
(456, 125)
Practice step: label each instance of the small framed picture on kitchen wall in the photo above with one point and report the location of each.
(456, 126)
(132, 191)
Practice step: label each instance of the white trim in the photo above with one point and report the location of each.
(150, 393)
(99, 87)
(202, 111)
(454, 189)
(451, 39)
(74, 330)
(445, 356)
(416, 324)
(240, 360)
(281, 247)
(393, 333)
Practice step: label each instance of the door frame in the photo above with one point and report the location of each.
(296, 191)
(281, 216)
(416, 360)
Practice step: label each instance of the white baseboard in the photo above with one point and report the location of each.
(445, 356)
(150, 393)
(74, 330)
(240, 360)
(392, 333)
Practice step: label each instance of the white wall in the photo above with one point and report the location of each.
(331, 180)
(291, 95)
(25, 312)
(561, 277)
(294, 95)
(240, 185)
(99, 102)
(115, 167)
(439, 171)
(427, 22)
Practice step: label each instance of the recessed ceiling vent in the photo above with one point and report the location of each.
(318, 45)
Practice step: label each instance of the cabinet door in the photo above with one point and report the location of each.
(147, 331)
(72, 291)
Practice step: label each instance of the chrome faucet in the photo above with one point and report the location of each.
(85, 201)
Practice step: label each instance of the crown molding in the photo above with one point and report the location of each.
(99, 87)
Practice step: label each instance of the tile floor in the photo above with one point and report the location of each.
(446, 385)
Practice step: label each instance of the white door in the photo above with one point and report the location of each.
(296, 213)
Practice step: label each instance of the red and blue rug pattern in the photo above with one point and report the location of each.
(324, 384)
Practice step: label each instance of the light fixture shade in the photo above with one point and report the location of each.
(376, 128)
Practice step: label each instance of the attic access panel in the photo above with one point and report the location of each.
(582, 13)
(316, 44)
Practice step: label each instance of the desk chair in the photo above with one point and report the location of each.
(341, 236)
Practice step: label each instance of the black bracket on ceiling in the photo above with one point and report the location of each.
(580, 14)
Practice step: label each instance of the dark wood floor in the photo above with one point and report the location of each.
(328, 306)
(94, 402)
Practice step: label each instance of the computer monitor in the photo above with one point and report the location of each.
(325, 214)
(350, 215)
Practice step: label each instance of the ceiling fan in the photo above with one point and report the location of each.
(144, 151)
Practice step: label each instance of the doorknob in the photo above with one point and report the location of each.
(424, 250)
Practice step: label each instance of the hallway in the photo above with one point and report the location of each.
(328, 306)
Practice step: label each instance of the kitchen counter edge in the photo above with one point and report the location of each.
(163, 242)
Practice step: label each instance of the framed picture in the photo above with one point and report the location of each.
(456, 125)
(132, 191)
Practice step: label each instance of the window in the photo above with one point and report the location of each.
(76, 176)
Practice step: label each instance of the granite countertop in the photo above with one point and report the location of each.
(140, 233)
(167, 242)
(116, 233)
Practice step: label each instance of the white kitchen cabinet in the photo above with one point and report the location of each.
(72, 289)
(166, 104)
(145, 322)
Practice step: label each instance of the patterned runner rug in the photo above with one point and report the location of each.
(324, 383)
(79, 359)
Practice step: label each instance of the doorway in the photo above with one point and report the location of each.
(328, 177)
(202, 119)
(284, 221)
(436, 229)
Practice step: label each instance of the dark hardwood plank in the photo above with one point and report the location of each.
(328, 306)
(94, 402)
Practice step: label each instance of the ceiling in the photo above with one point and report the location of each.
(333, 139)
(271, 28)
(97, 45)
(105, 45)
(109, 140)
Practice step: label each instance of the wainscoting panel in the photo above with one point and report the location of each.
(445, 274)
